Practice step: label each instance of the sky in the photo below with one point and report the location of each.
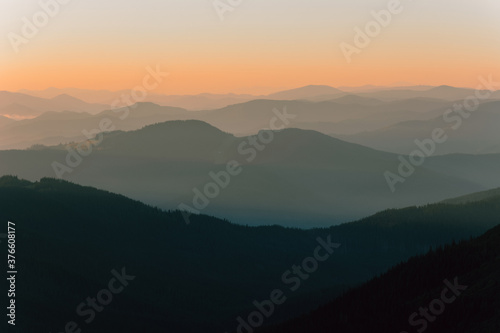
(260, 46)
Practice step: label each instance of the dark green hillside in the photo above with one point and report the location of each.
(386, 304)
(197, 277)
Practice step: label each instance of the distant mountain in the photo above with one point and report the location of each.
(53, 128)
(475, 197)
(372, 88)
(190, 102)
(449, 92)
(476, 133)
(441, 92)
(355, 99)
(144, 110)
(17, 111)
(450, 290)
(201, 101)
(478, 169)
(306, 92)
(250, 117)
(65, 98)
(316, 93)
(310, 176)
(360, 88)
(87, 95)
(5, 121)
(22, 105)
(202, 276)
(329, 117)
(388, 113)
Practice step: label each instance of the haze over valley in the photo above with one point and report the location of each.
(263, 166)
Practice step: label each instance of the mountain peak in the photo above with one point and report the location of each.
(356, 99)
(306, 92)
(66, 97)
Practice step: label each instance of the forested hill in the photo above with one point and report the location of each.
(392, 302)
(196, 277)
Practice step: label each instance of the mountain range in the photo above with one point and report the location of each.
(19, 106)
(203, 276)
(471, 133)
(212, 215)
(40, 101)
(316, 179)
(452, 289)
(338, 117)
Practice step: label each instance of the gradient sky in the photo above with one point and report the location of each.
(262, 46)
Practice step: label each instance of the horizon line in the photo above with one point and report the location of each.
(278, 90)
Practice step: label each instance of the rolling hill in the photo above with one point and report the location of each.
(23, 105)
(5, 121)
(201, 276)
(475, 133)
(53, 128)
(306, 92)
(347, 116)
(475, 197)
(443, 92)
(452, 289)
(318, 180)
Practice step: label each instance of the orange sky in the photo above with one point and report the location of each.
(260, 47)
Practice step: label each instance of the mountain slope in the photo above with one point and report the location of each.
(53, 128)
(354, 99)
(5, 121)
(248, 118)
(307, 175)
(306, 92)
(345, 116)
(442, 92)
(23, 105)
(391, 303)
(88, 95)
(193, 277)
(475, 133)
(480, 196)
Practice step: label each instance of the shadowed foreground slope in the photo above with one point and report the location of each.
(393, 302)
(197, 277)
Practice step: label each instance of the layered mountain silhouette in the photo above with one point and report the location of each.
(345, 115)
(474, 197)
(96, 98)
(22, 105)
(306, 92)
(298, 178)
(202, 276)
(442, 92)
(191, 102)
(452, 289)
(470, 133)
(53, 128)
